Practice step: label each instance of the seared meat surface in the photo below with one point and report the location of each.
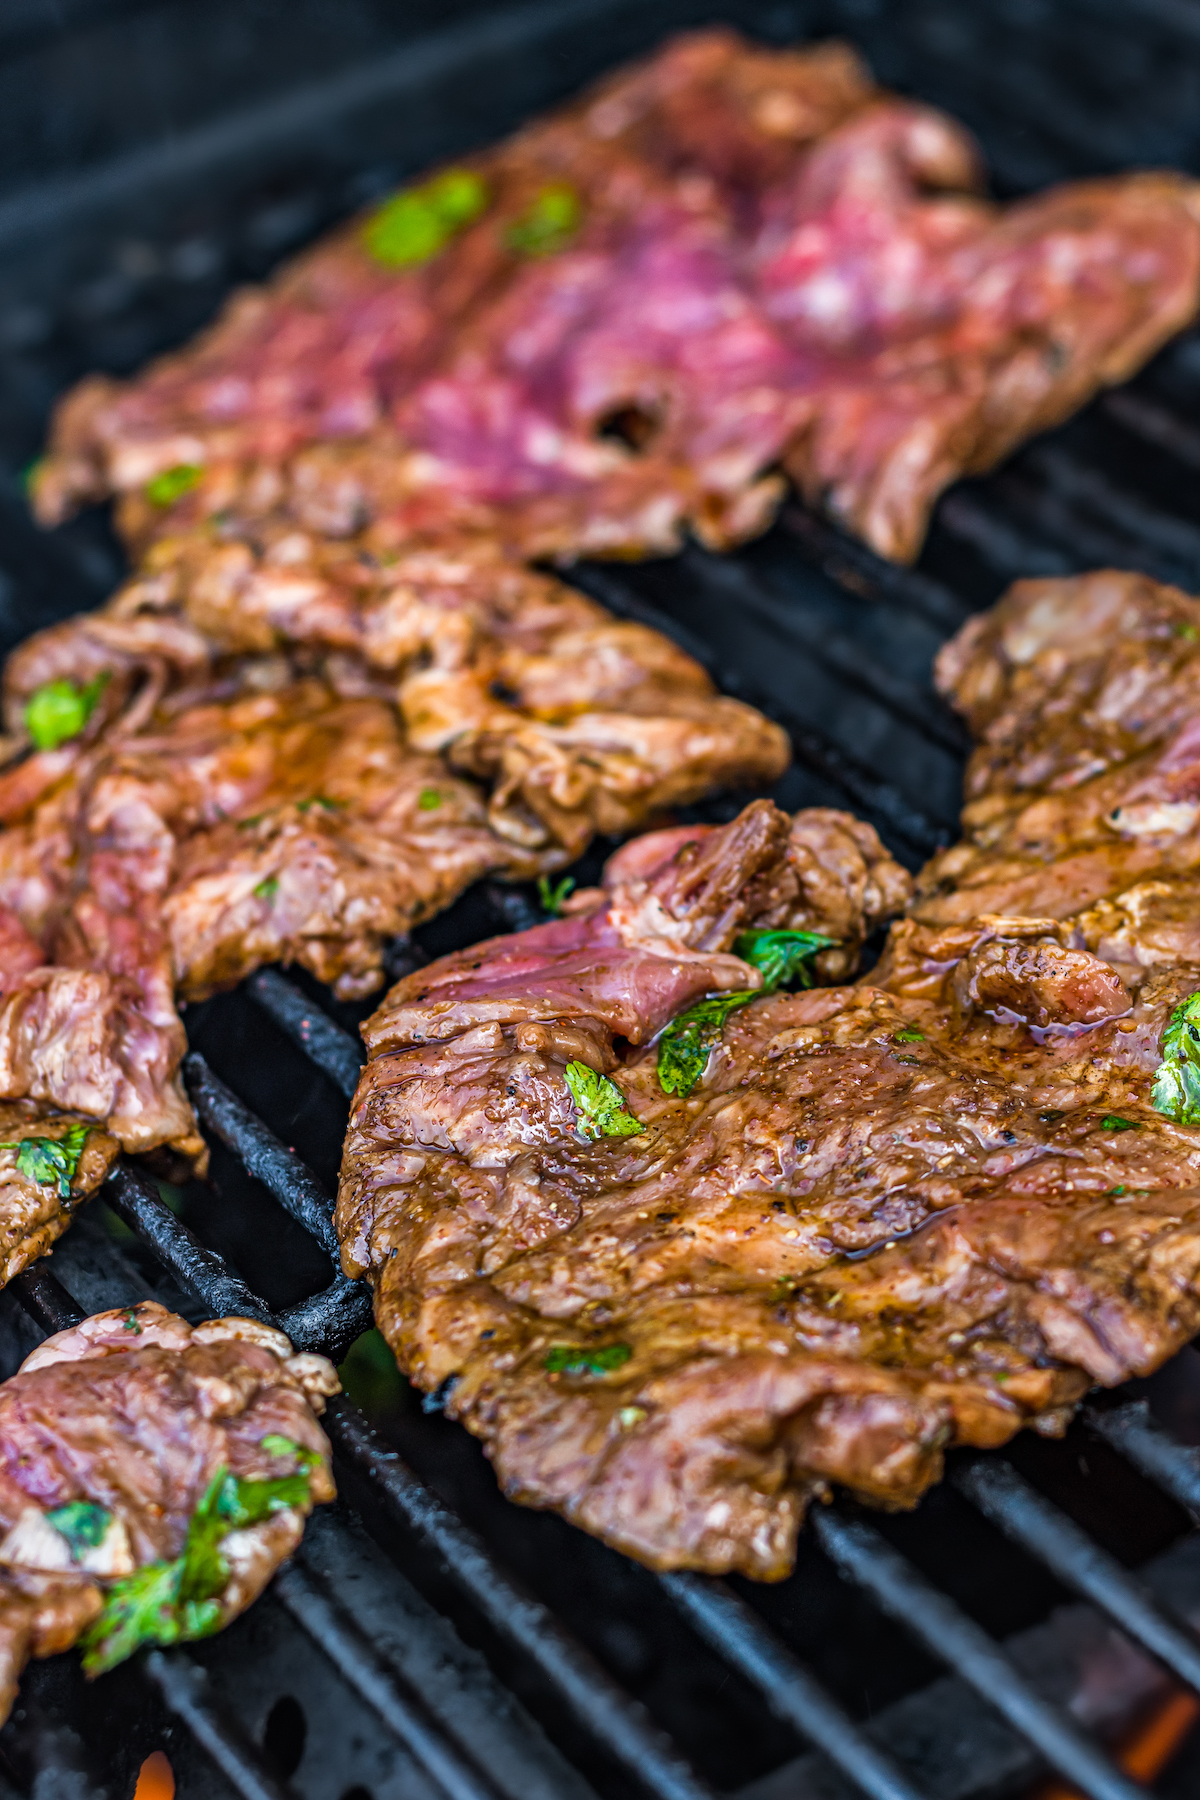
(50, 1163)
(574, 721)
(870, 1221)
(1083, 796)
(617, 325)
(294, 752)
(153, 1476)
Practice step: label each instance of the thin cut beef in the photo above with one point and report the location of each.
(720, 261)
(1083, 796)
(575, 721)
(678, 1299)
(50, 1162)
(153, 1476)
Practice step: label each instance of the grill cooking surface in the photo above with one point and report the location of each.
(464, 1647)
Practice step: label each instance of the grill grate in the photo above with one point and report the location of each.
(105, 267)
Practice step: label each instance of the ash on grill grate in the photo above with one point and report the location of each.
(436, 1674)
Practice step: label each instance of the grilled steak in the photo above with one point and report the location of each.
(575, 721)
(868, 1221)
(615, 326)
(153, 1476)
(49, 1164)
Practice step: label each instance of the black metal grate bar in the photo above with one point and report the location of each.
(793, 1693)
(860, 570)
(184, 1687)
(595, 1699)
(279, 1169)
(1172, 1466)
(859, 784)
(333, 1050)
(865, 1557)
(1046, 1532)
(334, 1632)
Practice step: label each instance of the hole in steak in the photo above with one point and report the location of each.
(620, 1048)
(633, 426)
(284, 1734)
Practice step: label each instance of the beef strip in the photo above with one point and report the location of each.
(1083, 795)
(127, 1420)
(767, 260)
(923, 1210)
(575, 721)
(39, 1193)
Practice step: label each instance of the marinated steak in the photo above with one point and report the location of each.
(616, 326)
(576, 722)
(682, 1262)
(153, 1476)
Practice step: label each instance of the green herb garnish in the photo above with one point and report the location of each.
(601, 1104)
(321, 800)
(570, 1359)
(51, 1162)
(1176, 1090)
(416, 223)
(548, 224)
(1111, 1122)
(82, 1523)
(267, 888)
(171, 1602)
(429, 799)
(1187, 631)
(552, 895)
(59, 711)
(780, 956)
(910, 1035)
(685, 1045)
(172, 484)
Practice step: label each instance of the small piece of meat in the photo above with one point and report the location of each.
(34, 1209)
(1085, 785)
(111, 1435)
(766, 261)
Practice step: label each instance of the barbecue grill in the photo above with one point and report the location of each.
(430, 1639)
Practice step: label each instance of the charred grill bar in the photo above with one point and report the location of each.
(834, 644)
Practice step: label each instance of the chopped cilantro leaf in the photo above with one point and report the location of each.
(170, 1602)
(429, 799)
(1111, 1122)
(321, 800)
(780, 956)
(416, 223)
(82, 1523)
(172, 484)
(685, 1045)
(51, 1162)
(910, 1035)
(548, 224)
(1176, 1090)
(571, 1359)
(59, 710)
(552, 895)
(601, 1104)
(1189, 632)
(267, 888)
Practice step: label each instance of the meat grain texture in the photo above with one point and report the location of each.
(921, 1210)
(129, 1418)
(720, 262)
